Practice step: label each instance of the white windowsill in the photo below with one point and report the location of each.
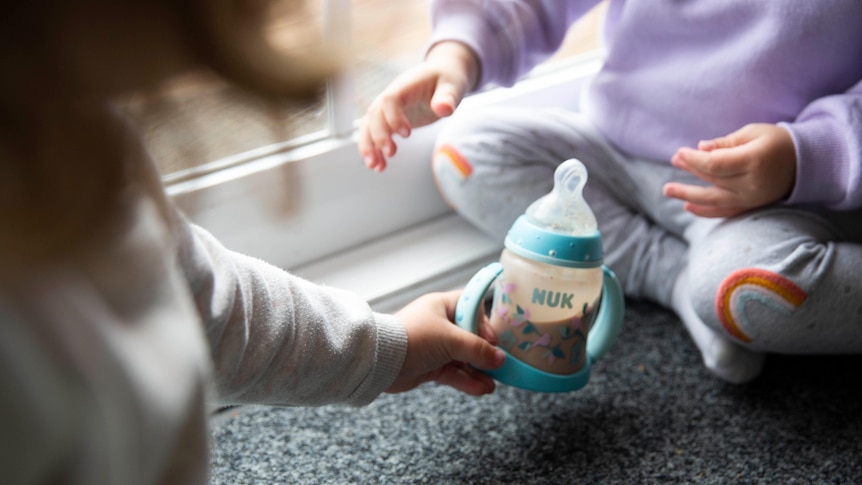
(439, 255)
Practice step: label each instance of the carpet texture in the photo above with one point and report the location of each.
(650, 414)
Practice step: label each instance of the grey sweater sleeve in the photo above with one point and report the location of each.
(278, 339)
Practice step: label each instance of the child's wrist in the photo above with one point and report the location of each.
(449, 51)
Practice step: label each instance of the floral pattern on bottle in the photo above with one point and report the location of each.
(557, 347)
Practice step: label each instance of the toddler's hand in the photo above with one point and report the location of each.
(418, 97)
(749, 168)
(440, 351)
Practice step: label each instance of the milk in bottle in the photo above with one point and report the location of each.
(546, 297)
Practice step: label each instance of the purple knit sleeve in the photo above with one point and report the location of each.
(828, 139)
(509, 38)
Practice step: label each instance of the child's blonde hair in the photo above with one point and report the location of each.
(67, 161)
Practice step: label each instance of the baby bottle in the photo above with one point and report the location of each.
(556, 308)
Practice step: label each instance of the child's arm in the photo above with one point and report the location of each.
(278, 339)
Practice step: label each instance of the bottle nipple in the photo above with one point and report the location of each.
(564, 209)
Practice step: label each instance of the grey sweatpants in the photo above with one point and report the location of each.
(779, 279)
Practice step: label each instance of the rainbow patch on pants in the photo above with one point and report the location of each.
(754, 285)
(461, 165)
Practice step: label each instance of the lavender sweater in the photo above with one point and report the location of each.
(679, 72)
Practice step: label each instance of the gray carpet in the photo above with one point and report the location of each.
(650, 414)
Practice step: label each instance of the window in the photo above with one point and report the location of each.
(284, 181)
(199, 124)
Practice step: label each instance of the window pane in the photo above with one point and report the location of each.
(197, 119)
(390, 37)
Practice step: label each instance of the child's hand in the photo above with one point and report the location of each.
(440, 351)
(417, 97)
(749, 168)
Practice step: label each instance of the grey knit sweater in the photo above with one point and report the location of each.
(108, 364)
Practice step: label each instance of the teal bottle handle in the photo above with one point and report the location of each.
(609, 321)
(468, 304)
(605, 330)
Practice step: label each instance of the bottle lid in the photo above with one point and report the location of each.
(536, 243)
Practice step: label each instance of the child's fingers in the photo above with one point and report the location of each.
(468, 347)
(474, 350)
(708, 196)
(371, 155)
(444, 101)
(396, 119)
(379, 133)
(450, 301)
(739, 137)
(710, 166)
(467, 380)
(714, 144)
(705, 201)
(486, 331)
